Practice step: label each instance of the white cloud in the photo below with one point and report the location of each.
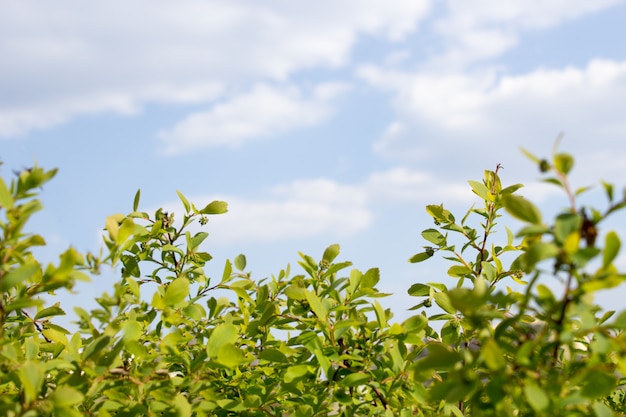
(484, 107)
(402, 184)
(297, 210)
(71, 58)
(472, 31)
(261, 112)
(308, 208)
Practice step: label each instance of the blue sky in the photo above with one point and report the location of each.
(319, 122)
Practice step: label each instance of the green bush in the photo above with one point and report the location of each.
(171, 341)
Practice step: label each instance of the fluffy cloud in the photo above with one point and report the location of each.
(70, 58)
(478, 30)
(308, 208)
(485, 107)
(264, 111)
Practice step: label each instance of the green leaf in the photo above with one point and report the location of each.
(481, 191)
(419, 257)
(184, 201)
(54, 310)
(197, 239)
(563, 163)
(521, 209)
(530, 156)
(492, 355)
(598, 384)
(18, 275)
(66, 396)
(443, 301)
(415, 323)
(459, 271)
(434, 236)
(316, 305)
(296, 373)
(132, 330)
(31, 377)
(370, 278)
(136, 200)
(611, 249)
(222, 335)
(97, 345)
(240, 262)
(6, 199)
(182, 406)
(229, 355)
(536, 397)
(355, 379)
(331, 253)
(215, 207)
(419, 290)
(566, 224)
(273, 355)
(438, 356)
(608, 189)
(176, 292)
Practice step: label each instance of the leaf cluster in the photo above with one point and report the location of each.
(512, 331)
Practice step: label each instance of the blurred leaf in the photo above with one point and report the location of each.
(611, 248)
(355, 379)
(530, 156)
(132, 330)
(222, 335)
(316, 305)
(563, 163)
(136, 200)
(31, 376)
(176, 291)
(419, 257)
(481, 191)
(184, 201)
(598, 384)
(273, 355)
(331, 253)
(459, 271)
(66, 396)
(443, 301)
(492, 355)
(182, 406)
(521, 209)
(608, 189)
(215, 207)
(229, 355)
(296, 373)
(438, 356)
(240, 262)
(566, 224)
(54, 310)
(6, 199)
(536, 397)
(18, 275)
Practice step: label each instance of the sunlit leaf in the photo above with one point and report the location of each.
(215, 207)
(176, 291)
(521, 209)
(331, 253)
(611, 248)
(536, 397)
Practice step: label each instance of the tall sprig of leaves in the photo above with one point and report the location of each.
(503, 351)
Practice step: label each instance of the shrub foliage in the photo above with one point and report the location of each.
(512, 331)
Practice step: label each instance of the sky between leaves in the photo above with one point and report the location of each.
(319, 122)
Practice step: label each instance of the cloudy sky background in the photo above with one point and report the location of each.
(319, 122)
